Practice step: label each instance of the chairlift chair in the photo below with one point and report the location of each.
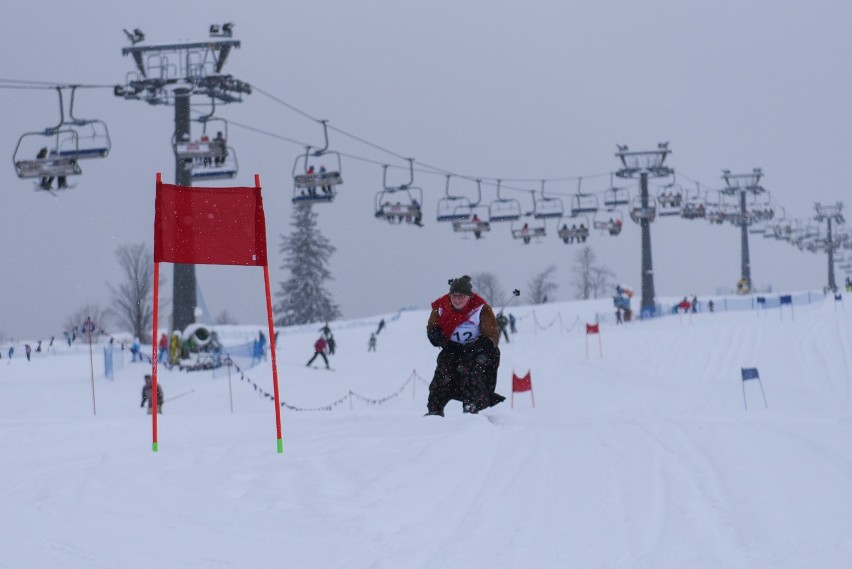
(715, 214)
(578, 232)
(209, 157)
(615, 196)
(546, 207)
(694, 205)
(311, 185)
(760, 207)
(319, 186)
(757, 228)
(670, 198)
(396, 204)
(228, 168)
(504, 209)
(92, 140)
(523, 231)
(581, 203)
(477, 224)
(789, 230)
(613, 225)
(453, 207)
(31, 145)
(640, 211)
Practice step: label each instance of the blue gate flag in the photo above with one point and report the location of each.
(750, 373)
(787, 299)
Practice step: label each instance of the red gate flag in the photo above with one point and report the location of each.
(521, 384)
(209, 226)
(593, 328)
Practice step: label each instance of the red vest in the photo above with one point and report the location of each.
(449, 318)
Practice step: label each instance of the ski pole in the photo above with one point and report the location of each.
(179, 395)
(515, 294)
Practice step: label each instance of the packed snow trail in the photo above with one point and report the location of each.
(643, 458)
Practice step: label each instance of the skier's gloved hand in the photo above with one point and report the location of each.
(483, 350)
(436, 337)
(142, 404)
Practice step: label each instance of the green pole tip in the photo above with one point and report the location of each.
(280, 446)
(155, 447)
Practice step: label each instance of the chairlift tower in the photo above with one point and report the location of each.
(740, 185)
(170, 75)
(644, 165)
(829, 213)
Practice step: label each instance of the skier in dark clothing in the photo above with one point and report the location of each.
(512, 324)
(332, 344)
(28, 351)
(381, 326)
(463, 325)
(319, 350)
(503, 323)
(146, 395)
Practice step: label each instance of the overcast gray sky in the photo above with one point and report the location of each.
(481, 88)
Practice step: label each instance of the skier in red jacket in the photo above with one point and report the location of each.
(319, 350)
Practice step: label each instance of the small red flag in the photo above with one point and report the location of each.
(593, 329)
(521, 384)
(209, 226)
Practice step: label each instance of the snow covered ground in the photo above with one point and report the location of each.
(645, 458)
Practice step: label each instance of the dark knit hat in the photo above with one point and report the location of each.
(461, 285)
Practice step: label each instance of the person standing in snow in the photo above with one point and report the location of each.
(163, 347)
(28, 351)
(463, 325)
(146, 395)
(319, 350)
(371, 345)
(502, 324)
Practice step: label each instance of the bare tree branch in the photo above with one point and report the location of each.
(488, 287)
(541, 288)
(132, 301)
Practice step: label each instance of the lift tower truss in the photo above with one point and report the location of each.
(829, 214)
(644, 165)
(170, 75)
(740, 185)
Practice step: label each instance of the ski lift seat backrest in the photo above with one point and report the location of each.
(86, 145)
(471, 225)
(199, 149)
(573, 232)
(47, 167)
(84, 153)
(539, 231)
(505, 209)
(547, 208)
(583, 203)
(454, 208)
(318, 197)
(615, 197)
(315, 180)
(392, 211)
(226, 169)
